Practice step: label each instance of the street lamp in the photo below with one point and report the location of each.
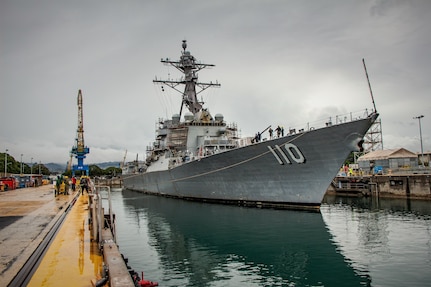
(420, 135)
(20, 169)
(31, 168)
(5, 163)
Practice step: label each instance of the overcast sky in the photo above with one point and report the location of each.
(278, 62)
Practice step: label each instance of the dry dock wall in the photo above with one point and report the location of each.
(417, 185)
(407, 185)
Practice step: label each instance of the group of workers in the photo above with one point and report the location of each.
(62, 184)
(279, 131)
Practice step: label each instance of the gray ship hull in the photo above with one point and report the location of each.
(288, 172)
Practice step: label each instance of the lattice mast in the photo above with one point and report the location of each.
(189, 67)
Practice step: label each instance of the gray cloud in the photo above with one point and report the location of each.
(279, 62)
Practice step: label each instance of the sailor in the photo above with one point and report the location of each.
(256, 137)
(278, 130)
(270, 133)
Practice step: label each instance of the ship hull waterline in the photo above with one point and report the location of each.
(291, 172)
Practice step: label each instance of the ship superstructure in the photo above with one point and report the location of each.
(199, 134)
(199, 157)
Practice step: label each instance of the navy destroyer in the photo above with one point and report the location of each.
(197, 156)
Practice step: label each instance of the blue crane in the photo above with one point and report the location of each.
(79, 149)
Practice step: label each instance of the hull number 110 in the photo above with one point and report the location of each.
(289, 153)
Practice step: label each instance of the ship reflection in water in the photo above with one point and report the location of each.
(180, 243)
(388, 239)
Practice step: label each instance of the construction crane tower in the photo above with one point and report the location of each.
(79, 149)
(124, 160)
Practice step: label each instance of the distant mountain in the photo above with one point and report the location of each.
(57, 167)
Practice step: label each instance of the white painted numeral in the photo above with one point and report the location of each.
(293, 153)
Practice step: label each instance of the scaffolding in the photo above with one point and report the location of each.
(373, 140)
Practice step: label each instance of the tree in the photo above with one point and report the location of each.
(113, 171)
(14, 166)
(43, 169)
(350, 159)
(95, 170)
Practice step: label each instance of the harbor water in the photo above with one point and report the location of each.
(351, 242)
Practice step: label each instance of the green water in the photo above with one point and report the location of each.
(351, 242)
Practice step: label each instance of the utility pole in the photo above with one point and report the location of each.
(420, 135)
(5, 163)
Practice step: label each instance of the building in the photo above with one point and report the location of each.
(388, 161)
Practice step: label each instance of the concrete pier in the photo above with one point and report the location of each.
(73, 258)
(113, 182)
(26, 216)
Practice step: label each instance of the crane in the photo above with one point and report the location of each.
(79, 149)
(124, 160)
(69, 163)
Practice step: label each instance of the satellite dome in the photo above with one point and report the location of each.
(218, 117)
(188, 116)
(175, 118)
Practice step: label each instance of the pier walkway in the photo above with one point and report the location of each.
(72, 259)
(26, 217)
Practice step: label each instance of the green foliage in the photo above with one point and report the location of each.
(350, 159)
(43, 169)
(68, 173)
(14, 166)
(95, 170)
(114, 171)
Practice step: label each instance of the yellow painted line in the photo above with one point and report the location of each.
(72, 259)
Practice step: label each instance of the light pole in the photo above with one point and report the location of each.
(31, 168)
(20, 169)
(5, 163)
(420, 135)
(39, 166)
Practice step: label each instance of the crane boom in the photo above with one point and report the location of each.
(124, 160)
(80, 130)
